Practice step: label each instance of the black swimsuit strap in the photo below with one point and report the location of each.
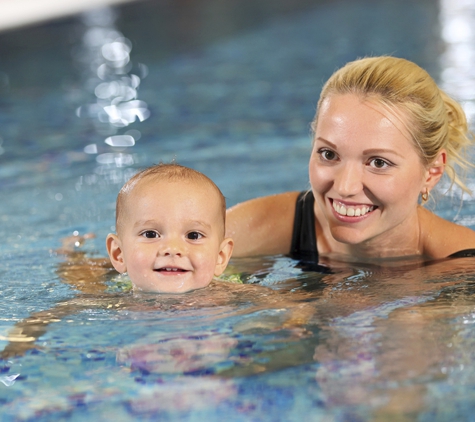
(465, 253)
(304, 241)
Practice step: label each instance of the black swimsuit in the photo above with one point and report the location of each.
(304, 239)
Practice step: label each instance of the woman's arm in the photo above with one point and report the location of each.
(262, 226)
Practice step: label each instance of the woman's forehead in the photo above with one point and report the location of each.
(353, 109)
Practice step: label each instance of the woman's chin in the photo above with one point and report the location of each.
(349, 236)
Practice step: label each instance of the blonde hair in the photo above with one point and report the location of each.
(434, 120)
(172, 172)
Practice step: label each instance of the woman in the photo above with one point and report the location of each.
(384, 134)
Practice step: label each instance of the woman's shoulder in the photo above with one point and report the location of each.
(441, 238)
(264, 207)
(262, 225)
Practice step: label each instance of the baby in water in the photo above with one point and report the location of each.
(170, 225)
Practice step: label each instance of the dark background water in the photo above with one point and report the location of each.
(257, 66)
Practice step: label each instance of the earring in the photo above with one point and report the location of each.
(425, 196)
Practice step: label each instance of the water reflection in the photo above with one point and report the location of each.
(457, 20)
(181, 395)
(114, 81)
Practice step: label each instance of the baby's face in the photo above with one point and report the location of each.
(171, 239)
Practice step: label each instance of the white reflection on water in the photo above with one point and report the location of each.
(120, 141)
(117, 159)
(457, 78)
(457, 18)
(109, 76)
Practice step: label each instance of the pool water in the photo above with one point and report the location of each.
(228, 88)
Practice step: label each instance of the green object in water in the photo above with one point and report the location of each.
(120, 284)
(231, 278)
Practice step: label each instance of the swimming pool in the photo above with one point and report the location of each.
(228, 89)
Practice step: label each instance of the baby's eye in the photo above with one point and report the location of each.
(379, 163)
(150, 234)
(194, 236)
(327, 154)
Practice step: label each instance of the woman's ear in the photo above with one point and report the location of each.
(436, 170)
(114, 249)
(224, 255)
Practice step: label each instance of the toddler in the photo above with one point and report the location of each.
(170, 225)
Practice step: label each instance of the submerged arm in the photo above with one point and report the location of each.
(23, 335)
(87, 275)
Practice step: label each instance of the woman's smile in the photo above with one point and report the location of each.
(350, 210)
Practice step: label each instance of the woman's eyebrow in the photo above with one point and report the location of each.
(376, 151)
(331, 144)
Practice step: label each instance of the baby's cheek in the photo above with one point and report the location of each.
(137, 267)
(207, 273)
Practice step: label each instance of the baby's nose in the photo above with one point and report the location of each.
(172, 247)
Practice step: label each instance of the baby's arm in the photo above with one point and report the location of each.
(86, 274)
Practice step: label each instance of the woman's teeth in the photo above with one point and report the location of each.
(352, 211)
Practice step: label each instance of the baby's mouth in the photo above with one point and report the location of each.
(352, 210)
(170, 270)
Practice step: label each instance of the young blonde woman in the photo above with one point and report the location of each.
(384, 134)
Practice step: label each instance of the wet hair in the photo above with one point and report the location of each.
(433, 119)
(164, 172)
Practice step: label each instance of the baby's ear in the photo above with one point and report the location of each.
(224, 255)
(114, 249)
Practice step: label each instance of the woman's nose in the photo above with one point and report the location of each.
(349, 179)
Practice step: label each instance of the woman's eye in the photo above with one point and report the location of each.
(327, 154)
(150, 234)
(194, 236)
(379, 163)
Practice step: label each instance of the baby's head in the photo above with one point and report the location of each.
(170, 223)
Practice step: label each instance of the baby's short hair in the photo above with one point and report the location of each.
(171, 172)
